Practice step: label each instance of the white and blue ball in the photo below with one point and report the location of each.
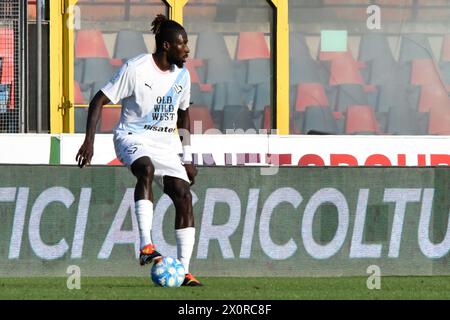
(168, 272)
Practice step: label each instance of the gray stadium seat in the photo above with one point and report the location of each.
(319, 120)
(237, 117)
(350, 94)
(415, 46)
(129, 44)
(374, 46)
(210, 45)
(97, 70)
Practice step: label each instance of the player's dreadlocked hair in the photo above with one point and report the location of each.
(165, 30)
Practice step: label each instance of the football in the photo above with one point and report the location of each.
(168, 272)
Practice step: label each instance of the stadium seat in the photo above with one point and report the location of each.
(211, 45)
(262, 97)
(350, 94)
(196, 94)
(258, 71)
(303, 68)
(345, 71)
(310, 94)
(90, 44)
(31, 9)
(219, 71)
(397, 96)
(4, 97)
(361, 120)
(319, 120)
(266, 118)
(236, 117)
(445, 51)
(374, 46)
(80, 119)
(97, 70)
(129, 44)
(425, 72)
(433, 97)
(78, 95)
(109, 119)
(7, 75)
(252, 45)
(78, 68)
(200, 113)
(402, 121)
(415, 46)
(335, 55)
(192, 65)
(445, 72)
(439, 121)
(385, 71)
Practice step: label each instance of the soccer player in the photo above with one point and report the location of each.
(155, 92)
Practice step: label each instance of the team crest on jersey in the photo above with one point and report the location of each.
(177, 88)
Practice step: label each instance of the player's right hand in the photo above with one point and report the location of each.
(85, 153)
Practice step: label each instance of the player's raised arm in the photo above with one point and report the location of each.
(86, 150)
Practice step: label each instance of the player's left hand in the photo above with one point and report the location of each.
(191, 171)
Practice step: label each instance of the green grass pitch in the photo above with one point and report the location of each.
(275, 288)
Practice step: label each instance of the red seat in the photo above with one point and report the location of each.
(361, 119)
(31, 9)
(433, 97)
(310, 94)
(424, 72)
(266, 118)
(7, 56)
(345, 70)
(78, 95)
(90, 44)
(439, 121)
(110, 118)
(200, 113)
(252, 45)
(333, 55)
(191, 65)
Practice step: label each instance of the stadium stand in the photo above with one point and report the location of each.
(439, 121)
(393, 73)
(361, 120)
(200, 114)
(7, 63)
(310, 94)
(129, 43)
(319, 120)
(90, 44)
(415, 46)
(237, 117)
(110, 117)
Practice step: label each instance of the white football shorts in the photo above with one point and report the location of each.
(162, 150)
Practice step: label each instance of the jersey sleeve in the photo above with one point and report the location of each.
(122, 84)
(186, 95)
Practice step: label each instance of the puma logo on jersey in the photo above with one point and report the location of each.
(177, 88)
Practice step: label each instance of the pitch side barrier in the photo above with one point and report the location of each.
(302, 221)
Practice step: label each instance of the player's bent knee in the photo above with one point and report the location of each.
(182, 195)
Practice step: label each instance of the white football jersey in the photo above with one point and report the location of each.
(150, 97)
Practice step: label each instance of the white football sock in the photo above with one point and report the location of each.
(185, 245)
(144, 215)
